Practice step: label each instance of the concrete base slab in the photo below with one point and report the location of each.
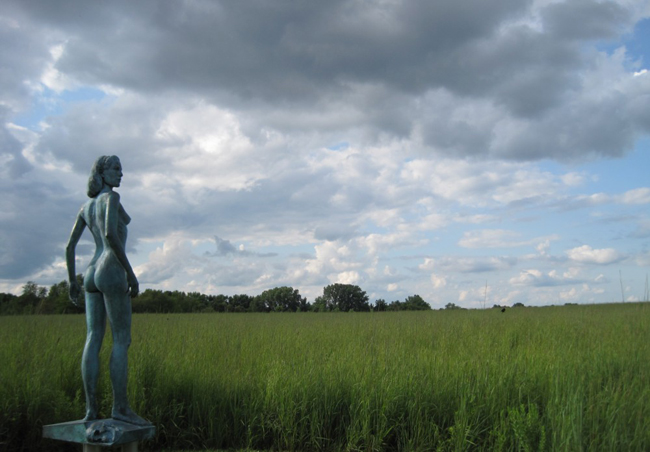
(130, 447)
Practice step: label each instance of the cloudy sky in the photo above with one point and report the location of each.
(406, 146)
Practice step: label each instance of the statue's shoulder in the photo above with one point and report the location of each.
(87, 209)
(87, 205)
(109, 196)
(112, 195)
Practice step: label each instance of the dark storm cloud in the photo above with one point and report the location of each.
(127, 129)
(585, 19)
(270, 50)
(11, 151)
(35, 217)
(23, 53)
(379, 67)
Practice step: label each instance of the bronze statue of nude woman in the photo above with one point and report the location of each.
(109, 284)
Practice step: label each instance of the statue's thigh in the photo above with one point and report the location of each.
(119, 315)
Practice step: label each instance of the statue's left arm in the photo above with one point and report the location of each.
(75, 235)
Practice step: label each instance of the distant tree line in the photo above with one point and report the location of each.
(36, 299)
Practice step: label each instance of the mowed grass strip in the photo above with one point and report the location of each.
(556, 378)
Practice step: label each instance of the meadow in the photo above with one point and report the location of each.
(556, 378)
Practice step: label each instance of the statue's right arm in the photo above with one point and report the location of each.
(75, 235)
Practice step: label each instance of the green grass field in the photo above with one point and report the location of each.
(559, 378)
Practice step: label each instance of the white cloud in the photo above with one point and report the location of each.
(543, 247)
(537, 278)
(584, 292)
(53, 78)
(499, 238)
(166, 262)
(636, 196)
(438, 281)
(587, 255)
(349, 277)
(573, 179)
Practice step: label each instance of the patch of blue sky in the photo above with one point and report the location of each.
(636, 44)
(51, 103)
(618, 175)
(612, 176)
(342, 146)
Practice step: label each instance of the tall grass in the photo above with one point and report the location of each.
(562, 378)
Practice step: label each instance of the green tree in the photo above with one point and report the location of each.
(380, 305)
(180, 301)
(199, 302)
(152, 300)
(320, 305)
(395, 306)
(281, 299)
(219, 302)
(415, 303)
(57, 299)
(31, 297)
(239, 303)
(343, 297)
(9, 304)
(257, 305)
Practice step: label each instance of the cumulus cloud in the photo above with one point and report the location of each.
(587, 255)
(585, 291)
(438, 281)
(537, 278)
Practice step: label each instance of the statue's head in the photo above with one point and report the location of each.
(105, 170)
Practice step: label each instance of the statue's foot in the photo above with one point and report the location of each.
(91, 415)
(129, 416)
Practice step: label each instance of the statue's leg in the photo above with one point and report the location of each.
(119, 315)
(96, 327)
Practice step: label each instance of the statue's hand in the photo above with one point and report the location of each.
(74, 291)
(133, 285)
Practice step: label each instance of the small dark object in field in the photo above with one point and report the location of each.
(503, 309)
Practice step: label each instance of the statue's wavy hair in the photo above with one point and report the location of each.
(95, 181)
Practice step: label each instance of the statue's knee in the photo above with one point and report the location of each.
(122, 340)
(94, 339)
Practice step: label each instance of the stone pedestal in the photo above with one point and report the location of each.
(97, 435)
(130, 447)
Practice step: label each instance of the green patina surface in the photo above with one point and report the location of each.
(104, 432)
